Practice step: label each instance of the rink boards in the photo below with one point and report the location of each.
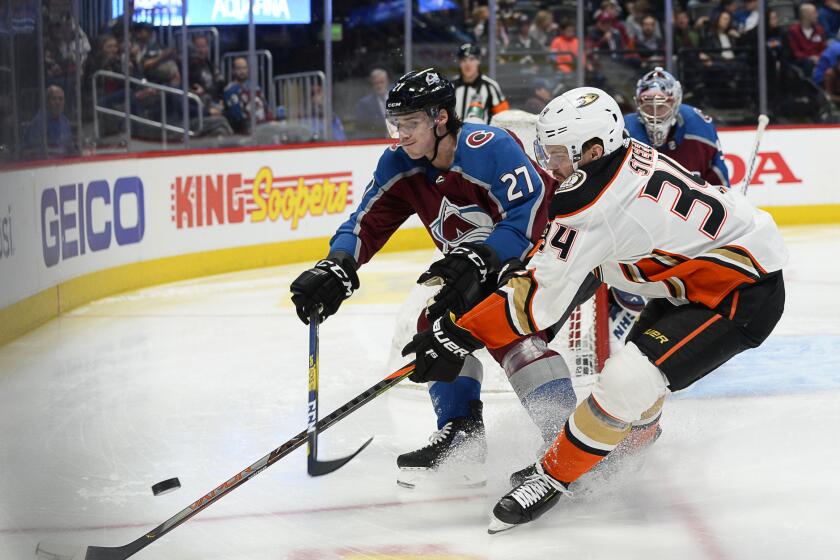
(73, 232)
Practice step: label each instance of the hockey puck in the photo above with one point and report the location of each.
(165, 486)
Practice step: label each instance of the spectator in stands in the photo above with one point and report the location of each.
(728, 6)
(650, 47)
(604, 37)
(539, 97)
(747, 18)
(806, 38)
(370, 110)
(635, 21)
(237, 97)
(720, 37)
(480, 17)
(685, 37)
(60, 142)
(60, 56)
(204, 76)
(566, 42)
(831, 83)
(318, 103)
(543, 29)
(830, 17)
(213, 123)
(523, 41)
(145, 51)
(828, 59)
(775, 41)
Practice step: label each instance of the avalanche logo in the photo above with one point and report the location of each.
(479, 138)
(460, 224)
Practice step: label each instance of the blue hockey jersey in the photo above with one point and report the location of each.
(692, 142)
(493, 193)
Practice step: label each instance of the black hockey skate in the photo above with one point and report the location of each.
(632, 446)
(455, 454)
(528, 501)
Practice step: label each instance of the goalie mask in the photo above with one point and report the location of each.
(658, 98)
(574, 118)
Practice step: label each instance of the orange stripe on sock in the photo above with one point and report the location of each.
(683, 342)
(567, 462)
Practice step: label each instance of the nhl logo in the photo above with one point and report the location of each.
(432, 78)
(572, 182)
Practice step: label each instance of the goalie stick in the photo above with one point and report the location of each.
(313, 466)
(59, 552)
(763, 121)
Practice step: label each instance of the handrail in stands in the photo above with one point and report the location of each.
(294, 93)
(162, 124)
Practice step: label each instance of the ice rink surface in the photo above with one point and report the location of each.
(199, 379)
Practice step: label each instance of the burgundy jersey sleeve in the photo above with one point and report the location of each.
(383, 209)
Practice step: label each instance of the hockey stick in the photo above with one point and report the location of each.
(313, 466)
(763, 121)
(58, 552)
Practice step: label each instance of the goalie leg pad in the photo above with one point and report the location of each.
(630, 385)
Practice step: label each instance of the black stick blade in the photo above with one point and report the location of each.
(319, 468)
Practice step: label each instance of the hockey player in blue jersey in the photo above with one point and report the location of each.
(681, 132)
(484, 203)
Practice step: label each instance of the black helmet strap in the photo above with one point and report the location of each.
(440, 138)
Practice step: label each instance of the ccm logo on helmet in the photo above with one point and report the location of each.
(479, 138)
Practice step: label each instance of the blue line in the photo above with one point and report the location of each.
(783, 365)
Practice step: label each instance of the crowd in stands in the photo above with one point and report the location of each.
(537, 44)
(715, 43)
(224, 108)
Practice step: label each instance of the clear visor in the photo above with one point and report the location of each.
(551, 157)
(410, 123)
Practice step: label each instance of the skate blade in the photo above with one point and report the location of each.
(412, 478)
(498, 526)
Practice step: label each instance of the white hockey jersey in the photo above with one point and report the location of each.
(644, 224)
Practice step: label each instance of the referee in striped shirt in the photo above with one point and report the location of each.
(477, 97)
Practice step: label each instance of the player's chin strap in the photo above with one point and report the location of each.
(438, 140)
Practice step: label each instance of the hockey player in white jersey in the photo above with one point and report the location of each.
(710, 261)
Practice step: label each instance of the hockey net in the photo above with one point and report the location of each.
(583, 341)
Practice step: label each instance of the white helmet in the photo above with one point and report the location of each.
(576, 117)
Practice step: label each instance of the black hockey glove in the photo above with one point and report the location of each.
(440, 351)
(324, 286)
(468, 272)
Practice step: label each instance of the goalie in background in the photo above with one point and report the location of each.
(710, 262)
(682, 132)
